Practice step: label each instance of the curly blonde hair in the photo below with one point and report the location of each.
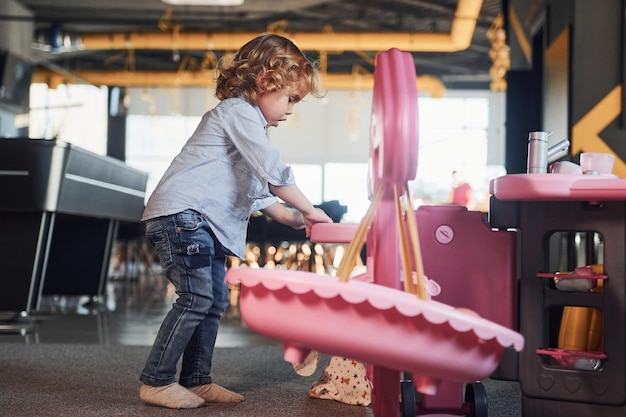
(266, 64)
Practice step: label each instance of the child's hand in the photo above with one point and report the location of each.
(315, 216)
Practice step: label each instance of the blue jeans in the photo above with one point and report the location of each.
(194, 261)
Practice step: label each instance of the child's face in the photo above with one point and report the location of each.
(277, 105)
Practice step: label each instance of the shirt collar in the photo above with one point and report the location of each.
(258, 110)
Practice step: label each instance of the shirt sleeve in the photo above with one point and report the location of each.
(263, 202)
(245, 128)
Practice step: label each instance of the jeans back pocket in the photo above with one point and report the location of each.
(160, 241)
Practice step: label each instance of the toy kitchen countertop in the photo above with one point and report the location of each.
(557, 187)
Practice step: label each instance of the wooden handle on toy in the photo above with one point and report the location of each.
(354, 248)
(405, 253)
(417, 252)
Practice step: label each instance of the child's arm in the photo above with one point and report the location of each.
(284, 215)
(292, 195)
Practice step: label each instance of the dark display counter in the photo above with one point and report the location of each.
(59, 213)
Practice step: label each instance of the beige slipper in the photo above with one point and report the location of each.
(308, 367)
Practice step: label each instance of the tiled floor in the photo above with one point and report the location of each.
(130, 313)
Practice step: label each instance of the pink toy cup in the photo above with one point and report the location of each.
(596, 163)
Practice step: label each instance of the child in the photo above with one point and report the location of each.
(199, 211)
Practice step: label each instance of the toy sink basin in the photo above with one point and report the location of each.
(371, 323)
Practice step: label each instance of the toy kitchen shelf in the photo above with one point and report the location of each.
(565, 222)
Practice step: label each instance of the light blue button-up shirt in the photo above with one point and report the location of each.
(223, 172)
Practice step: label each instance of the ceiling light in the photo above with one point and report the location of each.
(204, 2)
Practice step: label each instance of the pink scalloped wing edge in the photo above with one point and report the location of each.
(379, 297)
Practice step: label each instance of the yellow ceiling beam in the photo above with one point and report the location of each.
(205, 78)
(459, 38)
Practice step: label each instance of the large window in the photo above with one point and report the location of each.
(73, 113)
(153, 141)
(348, 184)
(453, 137)
(310, 180)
